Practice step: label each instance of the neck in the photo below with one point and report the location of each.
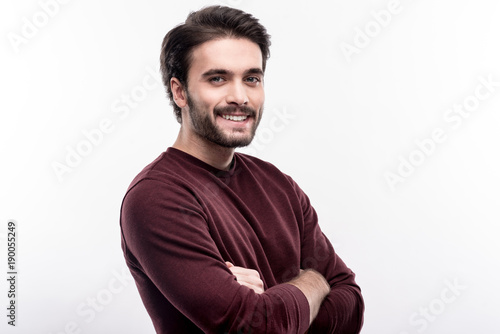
(208, 152)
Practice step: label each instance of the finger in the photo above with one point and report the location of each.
(250, 281)
(229, 264)
(244, 272)
(248, 277)
(257, 289)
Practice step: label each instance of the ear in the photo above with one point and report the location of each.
(178, 93)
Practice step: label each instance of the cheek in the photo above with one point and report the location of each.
(258, 97)
(209, 99)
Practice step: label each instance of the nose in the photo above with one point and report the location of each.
(237, 94)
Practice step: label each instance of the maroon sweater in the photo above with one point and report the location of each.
(181, 219)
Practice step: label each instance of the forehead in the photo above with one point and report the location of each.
(234, 54)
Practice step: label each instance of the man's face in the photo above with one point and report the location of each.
(225, 92)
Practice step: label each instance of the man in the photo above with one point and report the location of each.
(218, 241)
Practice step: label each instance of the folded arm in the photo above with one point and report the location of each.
(171, 244)
(342, 309)
(311, 283)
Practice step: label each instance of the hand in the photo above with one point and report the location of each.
(247, 277)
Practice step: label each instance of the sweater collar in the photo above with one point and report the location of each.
(188, 158)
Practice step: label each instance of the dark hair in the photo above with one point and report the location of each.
(207, 24)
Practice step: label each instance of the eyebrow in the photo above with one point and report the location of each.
(255, 70)
(220, 71)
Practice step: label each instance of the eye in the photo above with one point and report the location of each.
(216, 79)
(253, 80)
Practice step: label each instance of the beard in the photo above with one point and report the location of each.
(206, 128)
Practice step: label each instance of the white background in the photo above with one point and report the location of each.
(351, 119)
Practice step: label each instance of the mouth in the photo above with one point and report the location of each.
(235, 118)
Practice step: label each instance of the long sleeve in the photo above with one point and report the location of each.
(342, 310)
(171, 253)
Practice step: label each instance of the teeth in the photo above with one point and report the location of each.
(235, 118)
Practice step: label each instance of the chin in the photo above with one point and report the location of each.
(231, 142)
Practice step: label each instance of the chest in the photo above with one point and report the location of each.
(257, 227)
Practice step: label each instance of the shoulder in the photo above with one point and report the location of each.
(268, 174)
(159, 170)
(171, 169)
(265, 167)
(257, 164)
(160, 198)
(162, 181)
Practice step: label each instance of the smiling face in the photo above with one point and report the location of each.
(225, 96)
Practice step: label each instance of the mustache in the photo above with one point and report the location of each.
(233, 109)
